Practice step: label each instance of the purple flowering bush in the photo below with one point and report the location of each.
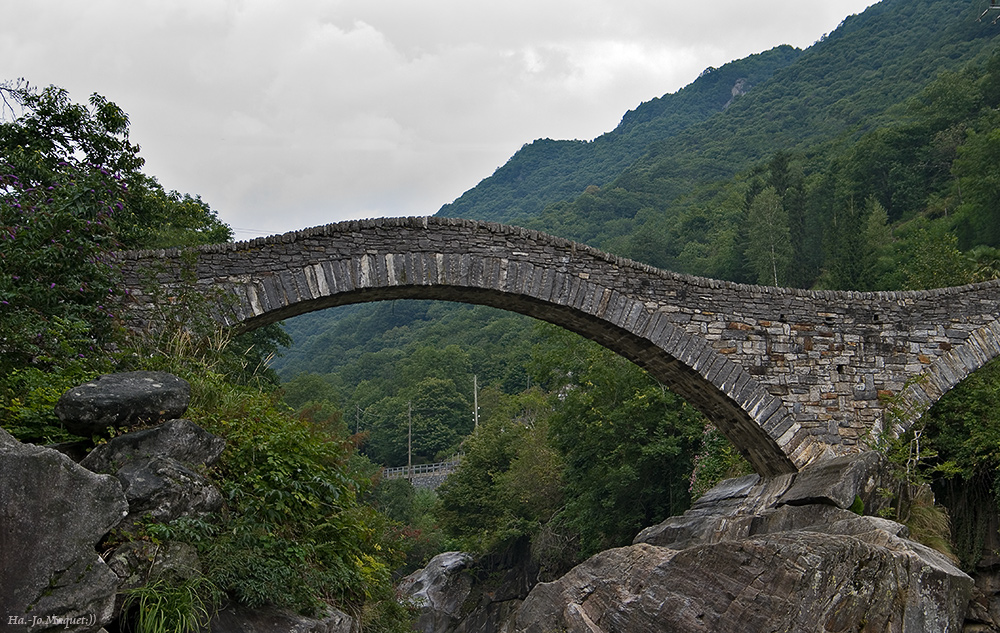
(57, 287)
(57, 290)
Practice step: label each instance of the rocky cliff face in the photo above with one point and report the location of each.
(776, 554)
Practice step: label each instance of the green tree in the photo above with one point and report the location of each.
(858, 240)
(155, 218)
(48, 132)
(307, 388)
(432, 415)
(57, 289)
(978, 170)
(770, 244)
(509, 484)
(930, 259)
(628, 443)
(58, 293)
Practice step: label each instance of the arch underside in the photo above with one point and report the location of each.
(758, 445)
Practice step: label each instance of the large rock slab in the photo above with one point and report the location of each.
(839, 482)
(764, 554)
(752, 555)
(439, 590)
(791, 581)
(741, 507)
(731, 510)
(52, 514)
(123, 400)
(460, 593)
(181, 440)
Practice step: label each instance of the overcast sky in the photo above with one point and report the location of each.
(285, 114)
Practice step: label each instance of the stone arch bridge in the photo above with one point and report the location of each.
(789, 376)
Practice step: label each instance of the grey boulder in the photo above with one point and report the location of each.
(791, 581)
(123, 400)
(52, 514)
(163, 489)
(439, 590)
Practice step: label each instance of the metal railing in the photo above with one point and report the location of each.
(420, 470)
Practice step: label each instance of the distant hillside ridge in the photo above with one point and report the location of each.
(836, 89)
(547, 170)
(843, 84)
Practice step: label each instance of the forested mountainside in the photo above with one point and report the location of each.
(546, 170)
(870, 161)
(794, 99)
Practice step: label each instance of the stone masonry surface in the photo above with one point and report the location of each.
(790, 376)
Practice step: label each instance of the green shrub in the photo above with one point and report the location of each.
(717, 460)
(164, 606)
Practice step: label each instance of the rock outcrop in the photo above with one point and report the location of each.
(457, 593)
(123, 400)
(135, 562)
(163, 489)
(156, 468)
(776, 554)
(784, 553)
(790, 581)
(53, 514)
(181, 440)
(439, 590)
(238, 619)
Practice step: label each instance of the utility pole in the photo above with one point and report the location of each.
(475, 400)
(409, 441)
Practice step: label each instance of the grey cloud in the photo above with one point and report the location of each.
(282, 115)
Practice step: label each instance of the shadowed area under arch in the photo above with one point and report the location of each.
(790, 376)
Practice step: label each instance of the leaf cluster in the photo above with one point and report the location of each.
(57, 289)
(48, 133)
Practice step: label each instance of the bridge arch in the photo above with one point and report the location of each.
(789, 376)
(945, 372)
